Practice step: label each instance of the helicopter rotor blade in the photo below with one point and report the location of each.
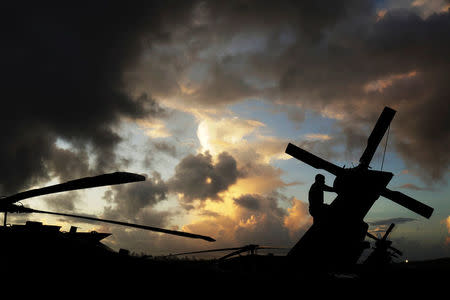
(390, 247)
(388, 231)
(396, 251)
(408, 202)
(243, 249)
(312, 160)
(156, 229)
(82, 183)
(206, 251)
(376, 135)
(372, 236)
(246, 248)
(272, 248)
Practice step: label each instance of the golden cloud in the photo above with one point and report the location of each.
(447, 223)
(222, 228)
(154, 128)
(445, 8)
(298, 217)
(318, 136)
(232, 223)
(380, 84)
(225, 134)
(429, 7)
(380, 14)
(241, 138)
(229, 220)
(335, 113)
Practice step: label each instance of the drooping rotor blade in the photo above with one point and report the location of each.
(250, 248)
(312, 160)
(377, 135)
(396, 251)
(277, 248)
(243, 248)
(207, 251)
(234, 253)
(408, 202)
(388, 231)
(172, 232)
(82, 183)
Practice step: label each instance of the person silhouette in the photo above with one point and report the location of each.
(317, 207)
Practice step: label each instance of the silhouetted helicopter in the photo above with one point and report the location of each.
(357, 190)
(251, 249)
(45, 245)
(323, 246)
(7, 204)
(383, 252)
(236, 265)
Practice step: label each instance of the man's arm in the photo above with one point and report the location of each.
(327, 188)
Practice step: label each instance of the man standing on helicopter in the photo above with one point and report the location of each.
(317, 208)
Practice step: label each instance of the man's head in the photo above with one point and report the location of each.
(320, 178)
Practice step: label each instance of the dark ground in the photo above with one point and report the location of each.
(58, 264)
(246, 274)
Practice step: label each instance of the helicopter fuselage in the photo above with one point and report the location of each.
(339, 239)
(358, 188)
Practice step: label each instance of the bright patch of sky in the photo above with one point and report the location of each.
(139, 145)
(62, 144)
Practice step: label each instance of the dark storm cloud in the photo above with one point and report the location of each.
(294, 113)
(248, 201)
(223, 29)
(267, 204)
(198, 177)
(67, 164)
(135, 203)
(62, 69)
(222, 86)
(63, 203)
(153, 150)
(262, 220)
(165, 147)
(407, 57)
(130, 201)
(313, 18)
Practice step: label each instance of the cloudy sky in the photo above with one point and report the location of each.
(203, 96)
